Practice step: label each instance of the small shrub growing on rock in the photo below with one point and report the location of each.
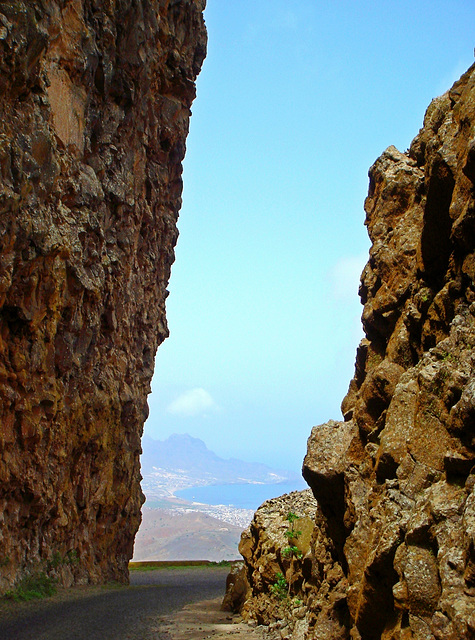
(72, 557)
(37, 585)
(280, 586)
(40, 584)
(55, 561)
(292, 534)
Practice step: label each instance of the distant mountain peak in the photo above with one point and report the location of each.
(186, 454)
(184, 439)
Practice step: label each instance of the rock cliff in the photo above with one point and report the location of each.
(393, 548)
(94, 112)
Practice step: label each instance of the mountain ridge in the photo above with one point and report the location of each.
(190, 457)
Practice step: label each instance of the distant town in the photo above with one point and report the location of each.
(175, 528)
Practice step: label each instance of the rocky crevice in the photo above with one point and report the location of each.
(392, 552)
(94, 112)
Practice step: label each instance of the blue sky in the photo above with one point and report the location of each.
(295, 101)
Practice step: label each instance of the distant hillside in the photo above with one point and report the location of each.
(174, 529)
(189, 457)
(164, 535)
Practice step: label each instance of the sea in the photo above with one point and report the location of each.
(240, 496)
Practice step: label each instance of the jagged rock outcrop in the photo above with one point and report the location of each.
(266, 549)
(94, 112)
(393, 551)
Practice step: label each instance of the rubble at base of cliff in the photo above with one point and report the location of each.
(392, 551)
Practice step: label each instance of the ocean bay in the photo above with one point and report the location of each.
(240, 496)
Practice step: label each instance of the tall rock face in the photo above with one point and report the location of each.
(94, 111)
(393, 551)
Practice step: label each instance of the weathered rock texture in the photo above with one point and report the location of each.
(264, 547)
(94, 111)
(393, 551)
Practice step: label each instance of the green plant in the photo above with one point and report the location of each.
(72, 557)
(57, 560)
(280, 586)
(5, 561)
(292, 551)
(292, 534)
(36, 585)
(425, 295)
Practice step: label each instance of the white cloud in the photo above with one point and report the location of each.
(344, 277)
(192, 403)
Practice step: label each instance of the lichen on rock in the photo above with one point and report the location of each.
(393, 550)
(94, 112)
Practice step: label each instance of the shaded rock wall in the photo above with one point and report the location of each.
(94, 111)
(393, 552)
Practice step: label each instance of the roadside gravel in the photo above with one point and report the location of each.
(134, 612)
(204, 619)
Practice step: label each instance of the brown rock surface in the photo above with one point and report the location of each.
(94, 111)
(263, 546)
(393, 549)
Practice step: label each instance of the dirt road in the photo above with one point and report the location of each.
(142, 611)
(205, 620)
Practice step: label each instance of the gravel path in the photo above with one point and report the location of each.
(204, 619)
(113, 613)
